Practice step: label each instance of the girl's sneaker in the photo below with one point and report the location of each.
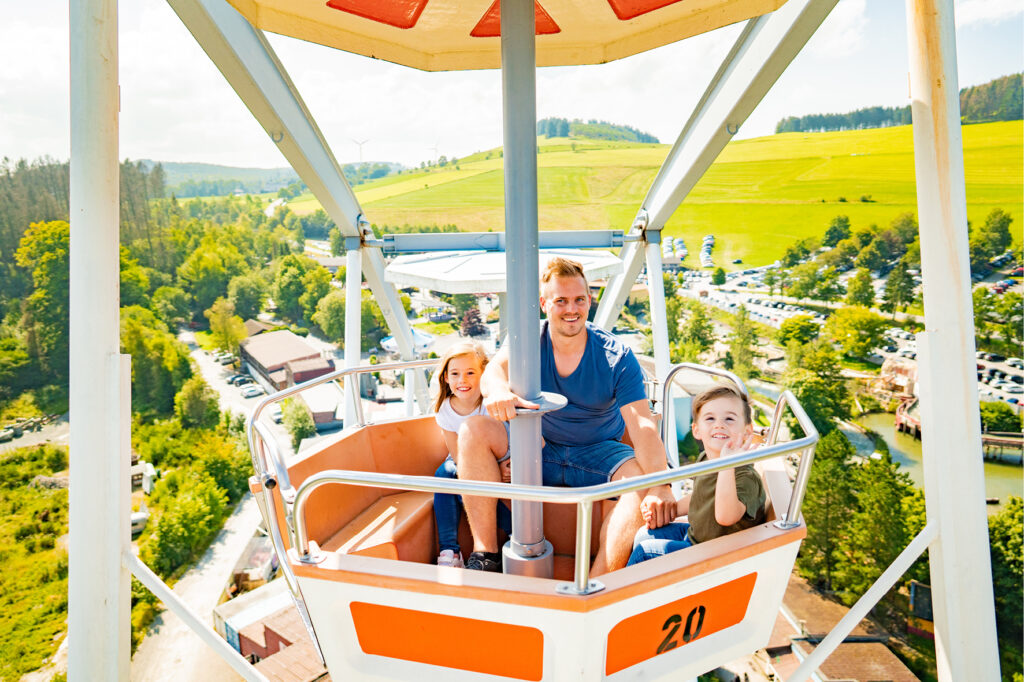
(450, 558)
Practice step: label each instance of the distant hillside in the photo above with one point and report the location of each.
(998, 100)
(206, 179)
(592, 129)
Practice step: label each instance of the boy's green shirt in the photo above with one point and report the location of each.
(750, 492)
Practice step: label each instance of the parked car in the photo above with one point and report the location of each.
(1016, 363)
(252, 391)
(241, 380)
(995, 357)
(275, 413)
(1014, 388)
(908, 353)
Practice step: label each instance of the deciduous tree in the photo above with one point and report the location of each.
(856, 329)
(196, 404)
(247, 294)
(838, 230)
(800, 329)
(227, 329)
(861, 290)
(899, 290)
(742, 344)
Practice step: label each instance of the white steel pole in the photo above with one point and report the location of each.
(99, 641)
(353, 325)
(965, 632)
(659, 335)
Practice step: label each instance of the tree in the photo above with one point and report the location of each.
(718, 278)
(288, 286)
(876, 534)
(838, 230)
(673, 316)
(669, 281)
(134, 282)
(814, 376)
(861, 290)
(171, 305)
(227, 329)
(473, 324)
(44, 252)
(828, 288)
(856, 329)
(337, 241)
(984, 307)
(1005, 531)
(1010, 313)
(800, 329)
(827, 505)
(899, 290)
(463, 302)
(870, 258)
(997, 230)
(696, 336)
(330, 316)
(317, 284)
(905, 225)
(196, 404)
(771, 279)
(805, 280)
(742, 344)
(208, 269)
(187, 523)
(297, 420)
(160, 363)
(999, 416)
(247, 294)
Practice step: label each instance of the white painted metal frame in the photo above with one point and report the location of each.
(248, 62)
(99, 589)
(965, 631)
(99, 594)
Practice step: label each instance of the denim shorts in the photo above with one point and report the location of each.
(577, 466)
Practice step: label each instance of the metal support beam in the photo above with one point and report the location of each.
(495, 241)
(965, 632)
(249, 64)
(99, 590)
(353, 329)
(764, 49)
(527, 553)
(659, 335)
(617, 291)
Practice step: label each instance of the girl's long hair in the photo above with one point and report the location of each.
(458, 350)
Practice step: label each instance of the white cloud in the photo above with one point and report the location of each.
(843, 31)
(970, 12)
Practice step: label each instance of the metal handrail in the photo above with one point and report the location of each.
(583, 497)
(712, 371)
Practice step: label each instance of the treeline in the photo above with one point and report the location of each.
(998, 100)
(355, 174)
(591, 129)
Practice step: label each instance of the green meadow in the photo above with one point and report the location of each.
(759, 196)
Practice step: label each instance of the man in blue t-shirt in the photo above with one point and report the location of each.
(603, 383)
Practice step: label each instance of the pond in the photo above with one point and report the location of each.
(1001, 480)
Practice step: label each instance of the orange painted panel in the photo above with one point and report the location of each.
(674, 625)
(630, 9)
(489, 25)
(397, 13)
(478, 646)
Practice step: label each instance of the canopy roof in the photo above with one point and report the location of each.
(483, 272)
(451, 35)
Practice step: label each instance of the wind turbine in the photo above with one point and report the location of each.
(360, 143)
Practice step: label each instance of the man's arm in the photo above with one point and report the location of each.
(499, 400)
(650, 455)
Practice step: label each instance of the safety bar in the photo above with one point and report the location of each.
(711, 371)
(583, 497)
(495, 241)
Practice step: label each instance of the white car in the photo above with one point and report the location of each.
(1015, 362)
(251, 391)
(276, 414)
(1013, 388)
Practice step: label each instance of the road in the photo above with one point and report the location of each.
(55, 432)
(171, 651)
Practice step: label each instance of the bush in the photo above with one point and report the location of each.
(297, 420)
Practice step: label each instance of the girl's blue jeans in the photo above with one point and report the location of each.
(448, 511)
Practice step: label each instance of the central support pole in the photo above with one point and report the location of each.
(965, 629)
(527, 553)
(99, 596)
(353, 323)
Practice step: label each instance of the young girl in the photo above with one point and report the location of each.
(458, 379)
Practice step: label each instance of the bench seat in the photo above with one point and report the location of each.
(397, 526)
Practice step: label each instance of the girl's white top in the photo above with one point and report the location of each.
(450, 420)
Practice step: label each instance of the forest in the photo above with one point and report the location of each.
(997, 100)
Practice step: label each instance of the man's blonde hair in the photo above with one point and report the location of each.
(562, 267)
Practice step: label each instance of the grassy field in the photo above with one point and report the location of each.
(759, 197)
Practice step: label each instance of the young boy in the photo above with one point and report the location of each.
(721, 503)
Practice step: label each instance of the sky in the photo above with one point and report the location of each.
(176, 106)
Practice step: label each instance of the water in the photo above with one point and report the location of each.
(1001, 480)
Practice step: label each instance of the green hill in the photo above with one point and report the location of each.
(760, 196)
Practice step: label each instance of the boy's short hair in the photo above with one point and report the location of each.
(721, 391)
(562, 267)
